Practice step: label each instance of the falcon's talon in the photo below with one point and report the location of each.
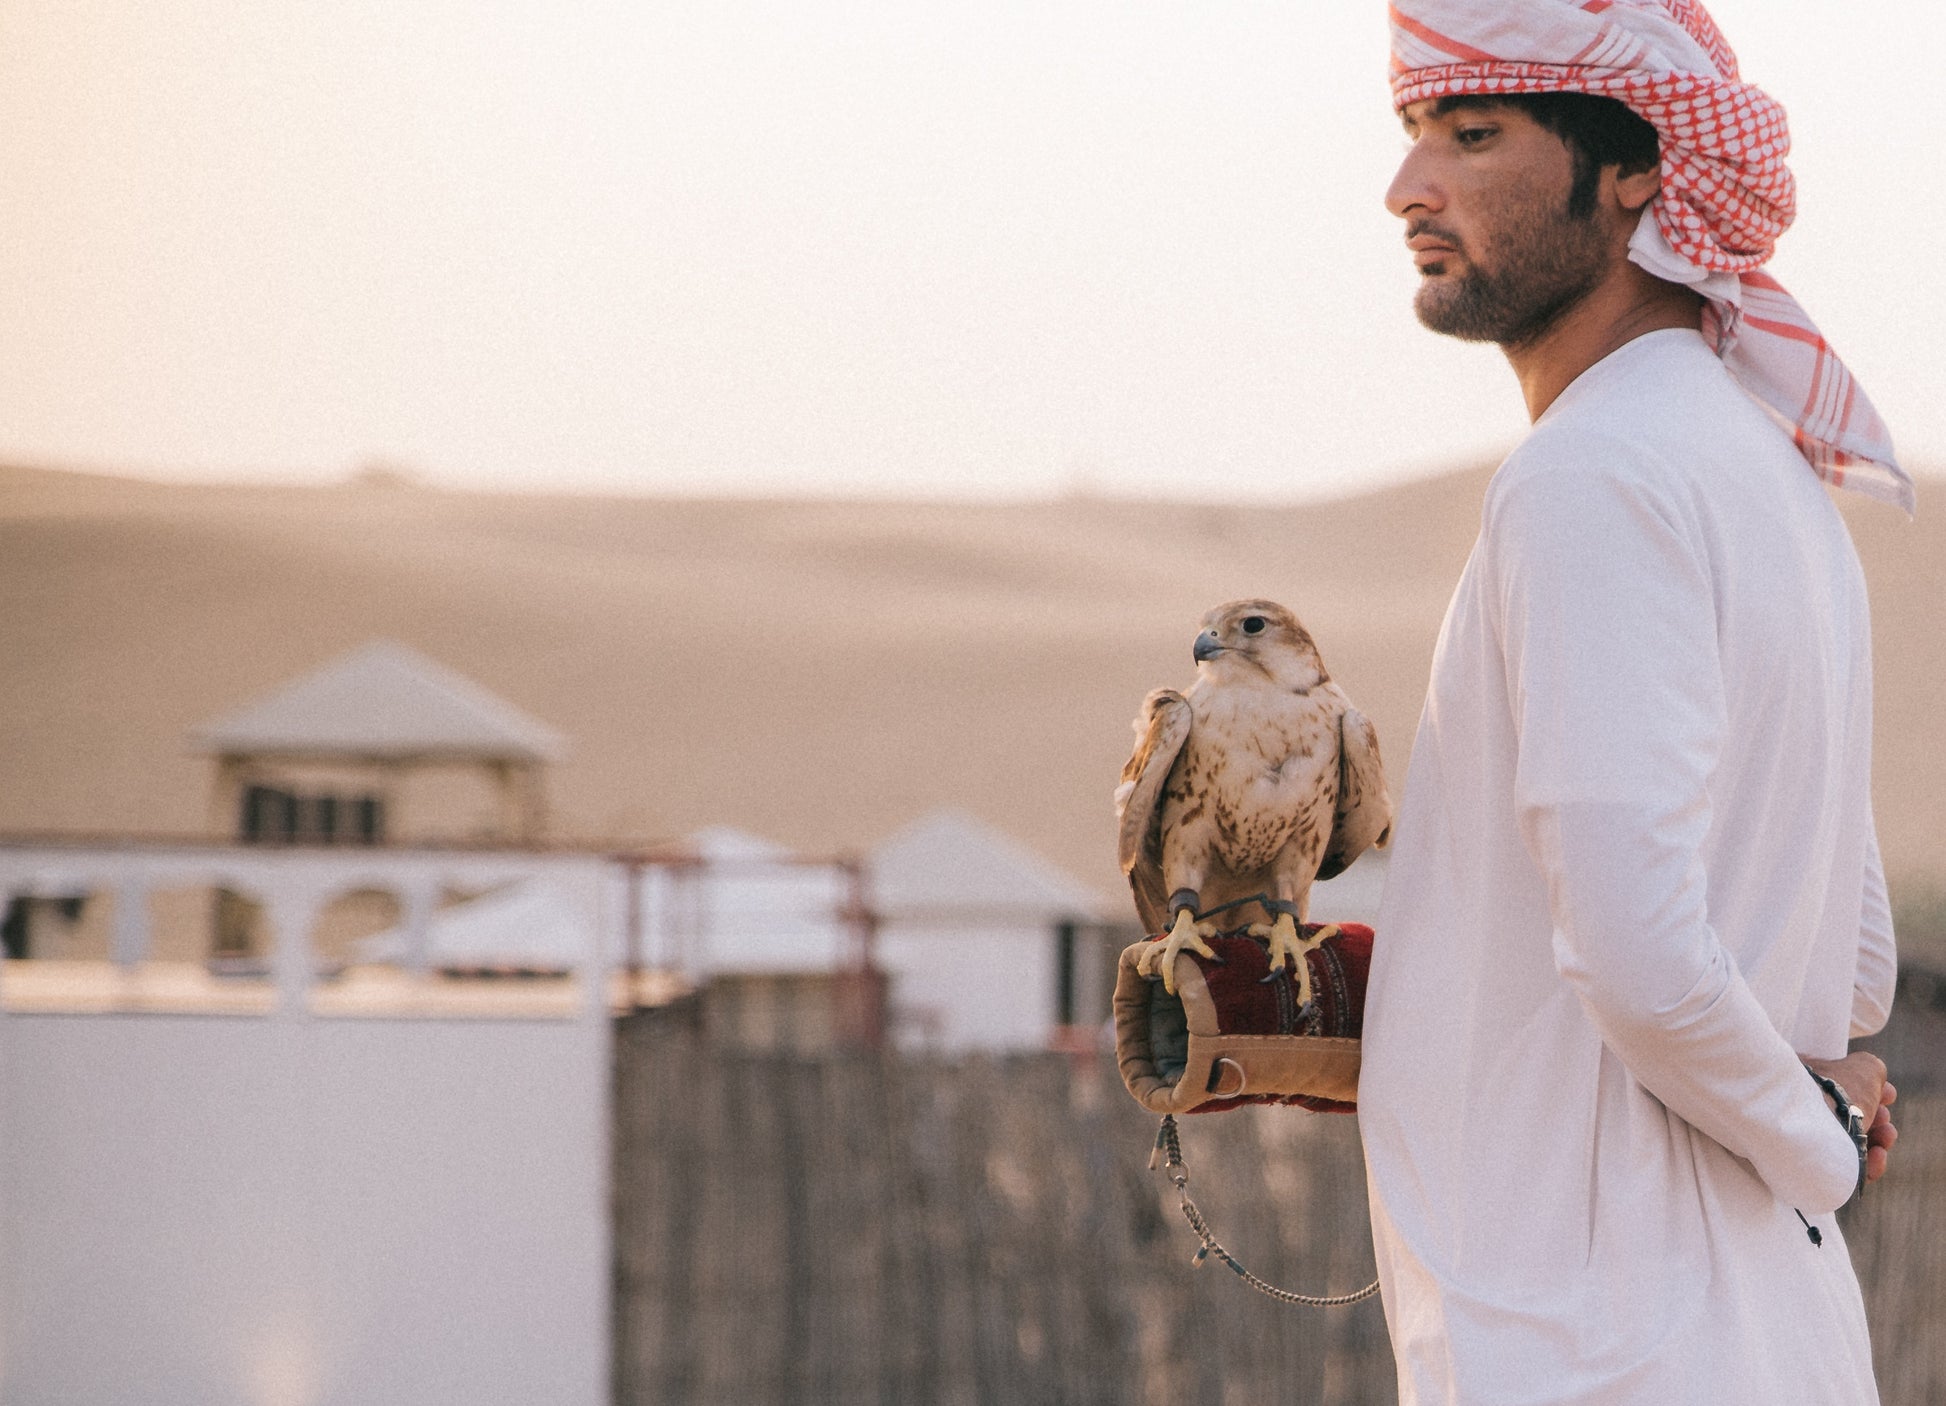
(1159, 961)
(1206, 931)
(1287, 944)
(1267, 931)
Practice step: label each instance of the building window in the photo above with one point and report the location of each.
(271, 815)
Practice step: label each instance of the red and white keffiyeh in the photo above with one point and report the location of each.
(1726, 192)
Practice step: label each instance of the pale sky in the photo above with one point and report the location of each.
(958, 247)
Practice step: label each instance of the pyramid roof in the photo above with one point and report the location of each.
(949, 862)
(383, 701)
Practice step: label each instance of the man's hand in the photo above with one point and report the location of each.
(1880, 1136)
(1862, 1077)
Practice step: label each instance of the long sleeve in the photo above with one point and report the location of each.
(1608, 616)
(1878, 958)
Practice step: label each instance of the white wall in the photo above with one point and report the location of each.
(295, 1209)
(970, 986)
(301, 1212)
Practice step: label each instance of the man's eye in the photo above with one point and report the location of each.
(1473, 136)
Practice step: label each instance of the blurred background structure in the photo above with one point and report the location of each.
(327, 756)
(330, 1049)
(572, 586)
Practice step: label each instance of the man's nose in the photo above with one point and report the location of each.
(1414, 187)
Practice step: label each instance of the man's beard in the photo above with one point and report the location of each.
(1545, 272)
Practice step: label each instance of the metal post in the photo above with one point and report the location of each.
(861, 981)
(632, 955)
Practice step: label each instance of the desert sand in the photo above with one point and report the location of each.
(819, 672)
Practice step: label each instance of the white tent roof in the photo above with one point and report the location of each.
(949, 862)
(383, 701)
(750, 907)
(530, 924)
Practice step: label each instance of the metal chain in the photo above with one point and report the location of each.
(1168, 1156)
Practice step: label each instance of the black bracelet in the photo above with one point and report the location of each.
(1853, 1118)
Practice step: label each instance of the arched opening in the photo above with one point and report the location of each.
(68, 925)
(342, 933)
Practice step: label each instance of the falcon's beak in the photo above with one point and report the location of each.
(1206, 646)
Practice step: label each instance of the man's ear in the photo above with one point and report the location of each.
(1634, 189)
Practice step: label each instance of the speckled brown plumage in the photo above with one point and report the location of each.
(1234, 785)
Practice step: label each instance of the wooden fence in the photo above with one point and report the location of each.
(874, 1229)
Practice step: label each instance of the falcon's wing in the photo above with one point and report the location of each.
(1363, 817)
(1164, 727)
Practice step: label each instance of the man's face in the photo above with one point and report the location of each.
(1484, 194)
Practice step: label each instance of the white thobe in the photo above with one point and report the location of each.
(1635, 874)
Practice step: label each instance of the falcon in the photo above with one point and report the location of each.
(1255, 780)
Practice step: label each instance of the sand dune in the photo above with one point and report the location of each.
(816, 671)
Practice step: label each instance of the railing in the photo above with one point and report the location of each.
(292, 888)
(643, 927)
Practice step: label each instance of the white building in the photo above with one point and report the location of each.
(988, 946)
(981, 943)
(379, 745)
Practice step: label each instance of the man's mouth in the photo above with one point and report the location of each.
(1430, 250)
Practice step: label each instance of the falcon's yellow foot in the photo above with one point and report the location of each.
(1287, 945)
(1160, 958)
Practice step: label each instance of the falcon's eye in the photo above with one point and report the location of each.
(1253, 625)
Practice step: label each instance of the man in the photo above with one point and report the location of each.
(1635, 879)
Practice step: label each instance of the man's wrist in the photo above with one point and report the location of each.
(1850, 1116)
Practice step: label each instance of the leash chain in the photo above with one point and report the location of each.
(1168, 1156)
